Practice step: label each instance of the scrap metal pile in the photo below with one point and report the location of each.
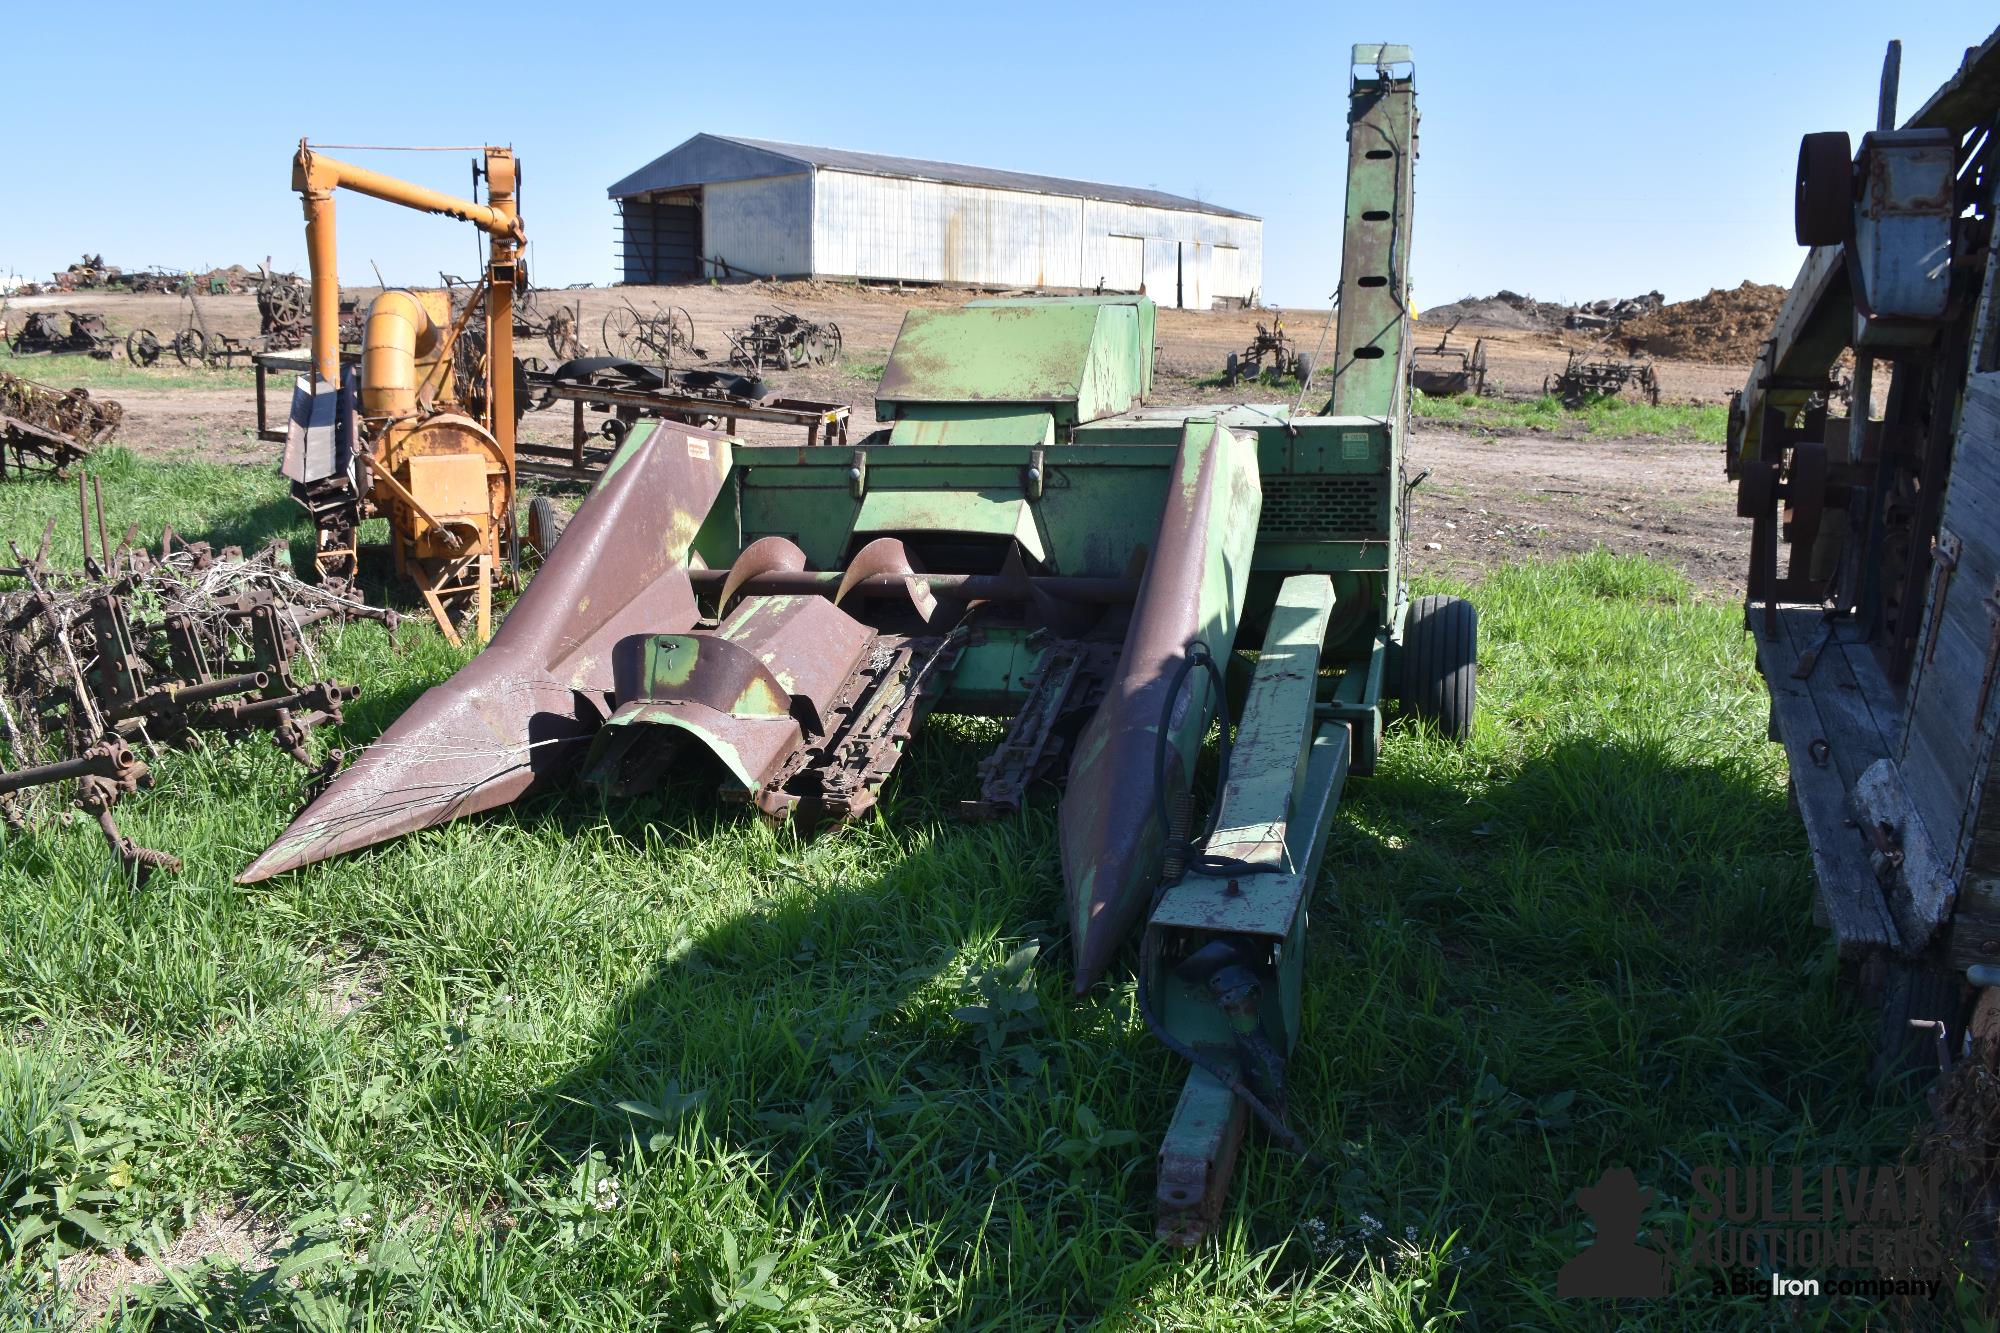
(140, 650)
(91, 273)
(46, 430)
(1611, 314)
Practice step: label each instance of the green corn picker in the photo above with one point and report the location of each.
(1024, 539)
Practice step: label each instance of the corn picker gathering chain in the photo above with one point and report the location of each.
(1022, 538)
(137, 651)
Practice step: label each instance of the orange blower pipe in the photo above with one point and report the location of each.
(316, 177)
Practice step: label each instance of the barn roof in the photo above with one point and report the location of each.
(707, 158)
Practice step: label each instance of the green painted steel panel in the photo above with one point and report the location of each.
(954, 423)
(985, 513)
(1084, 360)
(1148, 316)
(1267, 764)
(1371, 347)
(1267, 905)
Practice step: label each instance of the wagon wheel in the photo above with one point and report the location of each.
(621, 333)
(679, 331)
(190, 348)
(832, 332)
(142, 348)
(818, 350)
(562, 335)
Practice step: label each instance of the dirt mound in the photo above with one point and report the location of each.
(1502, 310)
(1727, 325)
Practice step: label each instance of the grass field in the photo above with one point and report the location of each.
(1704, 422)
(648, 1065)
(64, 372)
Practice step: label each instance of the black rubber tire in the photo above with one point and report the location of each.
(543, 527)
(1823, 201)
(1439, 661)
(1229, 370)
(1302, 367)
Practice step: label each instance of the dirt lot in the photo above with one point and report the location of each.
(1491, 497)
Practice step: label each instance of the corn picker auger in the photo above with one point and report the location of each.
(1024, 540)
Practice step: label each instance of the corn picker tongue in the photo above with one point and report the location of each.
(1025, 540)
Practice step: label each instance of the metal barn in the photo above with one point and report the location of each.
(726, 207)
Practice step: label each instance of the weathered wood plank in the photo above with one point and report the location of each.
(1847, 895)
(1850, 727)
(1920, 891)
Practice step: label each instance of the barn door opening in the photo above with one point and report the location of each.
(662, 238)
(679, 238)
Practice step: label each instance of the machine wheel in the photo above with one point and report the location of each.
(621, 333)
(542, 528)
(1230, 371)
(1439, 661)
(142, 348)
(190, 348)
(1823, 206)
(1302, 367)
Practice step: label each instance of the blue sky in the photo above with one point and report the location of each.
(1571, 151)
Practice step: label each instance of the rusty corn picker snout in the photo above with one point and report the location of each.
(1023, 538)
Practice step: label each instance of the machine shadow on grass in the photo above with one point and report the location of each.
(825, 1037)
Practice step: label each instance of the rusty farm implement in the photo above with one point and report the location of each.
(1024, 539)
(48, 430)
(139, 650)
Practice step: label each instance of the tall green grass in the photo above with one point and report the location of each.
(650, 1065)
(1704, 422)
